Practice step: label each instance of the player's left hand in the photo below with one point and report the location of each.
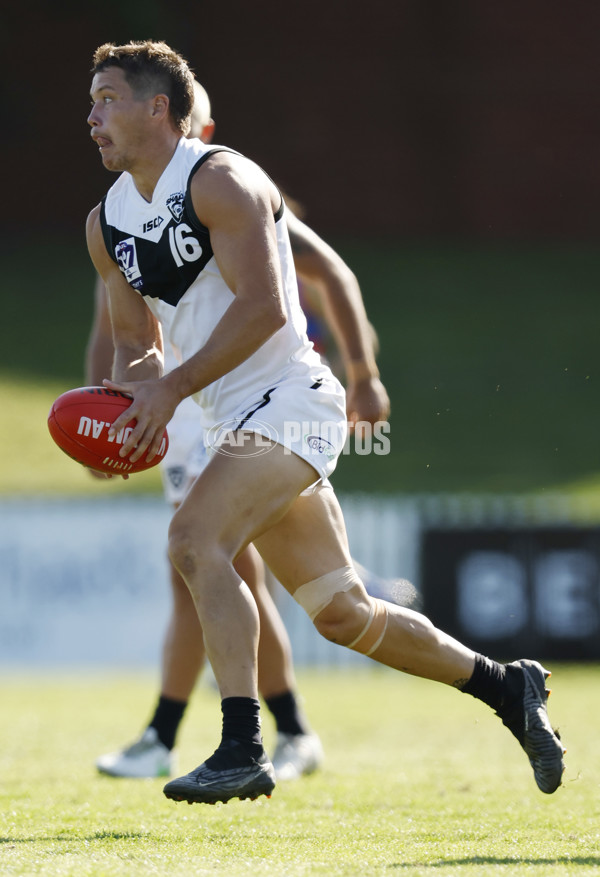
(152, 407)
(367, 400)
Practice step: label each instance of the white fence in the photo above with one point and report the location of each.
(84, 582)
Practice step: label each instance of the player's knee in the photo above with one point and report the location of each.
(343, 612)
(186, 548)
(340, 621)
(197, 552)
(180, 553)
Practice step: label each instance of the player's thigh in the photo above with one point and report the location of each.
(307, 542)
(242, 493)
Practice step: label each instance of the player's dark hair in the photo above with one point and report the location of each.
(152, 68)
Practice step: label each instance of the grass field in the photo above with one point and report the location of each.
(31, 463)
(418, 780)
(489, 354)
(490, 357)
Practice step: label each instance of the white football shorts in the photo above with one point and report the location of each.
(306, 413)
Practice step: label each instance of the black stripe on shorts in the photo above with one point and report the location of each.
(265, 401)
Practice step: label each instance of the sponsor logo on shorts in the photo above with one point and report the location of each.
(320, 445)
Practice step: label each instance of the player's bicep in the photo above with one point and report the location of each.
(246, 263)
(237, 208)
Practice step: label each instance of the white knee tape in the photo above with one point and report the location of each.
(372, 634)
(316, 595)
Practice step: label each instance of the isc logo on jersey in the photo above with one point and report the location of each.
(152, 224)
(126, 256)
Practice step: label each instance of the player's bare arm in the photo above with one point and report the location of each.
(100, 350)
(136, 333)
(318, 264)
(138, 358)
(236, 202)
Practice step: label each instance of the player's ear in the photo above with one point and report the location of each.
(160, 105)
(208, 132)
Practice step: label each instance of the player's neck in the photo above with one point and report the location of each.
(150, 167)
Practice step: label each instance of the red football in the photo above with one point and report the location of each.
(79, 421)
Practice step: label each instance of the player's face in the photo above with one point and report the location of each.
(117, 120)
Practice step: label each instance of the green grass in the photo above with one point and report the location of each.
(31, 463)
(418, 780)
(489, 354)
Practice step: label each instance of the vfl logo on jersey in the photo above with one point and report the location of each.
(175, 205)
(126, 256)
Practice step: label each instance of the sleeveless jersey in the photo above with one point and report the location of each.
(165, 254)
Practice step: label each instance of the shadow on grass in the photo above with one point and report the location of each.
(97, 835)
(497, 860)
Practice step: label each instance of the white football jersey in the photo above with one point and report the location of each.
(165, 253)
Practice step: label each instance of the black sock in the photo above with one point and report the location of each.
(492, 684)
(166, 719)
(241, 719)
(287, 715)
(241, 739)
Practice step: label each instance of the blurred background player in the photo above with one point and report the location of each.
(332, 297)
